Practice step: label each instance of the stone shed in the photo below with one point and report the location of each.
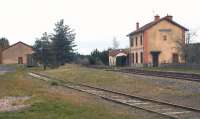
(16, 53)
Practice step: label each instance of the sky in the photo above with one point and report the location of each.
(96, 22)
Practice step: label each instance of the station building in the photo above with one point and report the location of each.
(158, 42)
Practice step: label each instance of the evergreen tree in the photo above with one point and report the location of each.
(42, 50)
(104, 57)
(4, 43)
(63, 43)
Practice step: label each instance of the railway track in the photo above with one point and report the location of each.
(175, 75)
(162, 108)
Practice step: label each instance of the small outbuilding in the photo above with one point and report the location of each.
(16, 54)
(118, 57)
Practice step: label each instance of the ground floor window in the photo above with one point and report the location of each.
(141, 57)
(133, 58)
(136, 60)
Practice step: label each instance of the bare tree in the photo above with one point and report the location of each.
(189, 51)
(190, 36)
(115, 43)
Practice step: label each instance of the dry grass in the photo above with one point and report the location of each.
(52, 102)
(151, 87)
(111, 80)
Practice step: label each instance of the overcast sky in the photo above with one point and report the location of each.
(96, 22)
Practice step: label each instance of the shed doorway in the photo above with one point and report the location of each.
(121, 61)
(20, 60)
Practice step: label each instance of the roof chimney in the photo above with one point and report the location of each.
(137, 26)
(169, 17)
(156, 18)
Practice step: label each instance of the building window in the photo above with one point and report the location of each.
(164, 37)
(133, 58)
(141, 57)
(136, 41)
(141, 40)
(136, 60)
(131, 42)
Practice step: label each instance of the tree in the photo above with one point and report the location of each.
(104, 57)
(190, 36)
(42, 50)
(94, 57)
(4, 43)
(115, 43)
(63, 43)
(99, 58)
(192, 52)
(189, 51)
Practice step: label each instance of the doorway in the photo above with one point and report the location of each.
(155, 58)
(20, 60)
(121, 61)
(175, 58)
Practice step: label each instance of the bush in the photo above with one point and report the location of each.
(82, 61)
(54, 83)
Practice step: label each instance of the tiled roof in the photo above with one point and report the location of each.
(149, 25)
(16, 44)
(117, 51)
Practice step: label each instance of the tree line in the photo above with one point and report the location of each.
(96, 57)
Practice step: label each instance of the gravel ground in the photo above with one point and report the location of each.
(176, 91)
(4, 69)
(80, 97)
(8, 104)
(182, 92)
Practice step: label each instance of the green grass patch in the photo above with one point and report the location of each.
(48, 102)
(62, 110)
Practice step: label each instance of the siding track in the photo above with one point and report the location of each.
(162, 108)
(166, 74)
(174, 75)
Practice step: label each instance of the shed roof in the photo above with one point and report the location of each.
(117, 51)
(17, 44)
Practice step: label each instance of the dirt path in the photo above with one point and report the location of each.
(8, 104)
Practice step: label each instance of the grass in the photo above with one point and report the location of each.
(149, 87)
(51, 102)
(105, 79)
(61, 110)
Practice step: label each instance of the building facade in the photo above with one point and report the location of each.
(16, 54)
(158, 42)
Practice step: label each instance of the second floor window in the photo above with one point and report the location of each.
(136, 41)
(141, 40)
(165, 37)
(131, 42)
